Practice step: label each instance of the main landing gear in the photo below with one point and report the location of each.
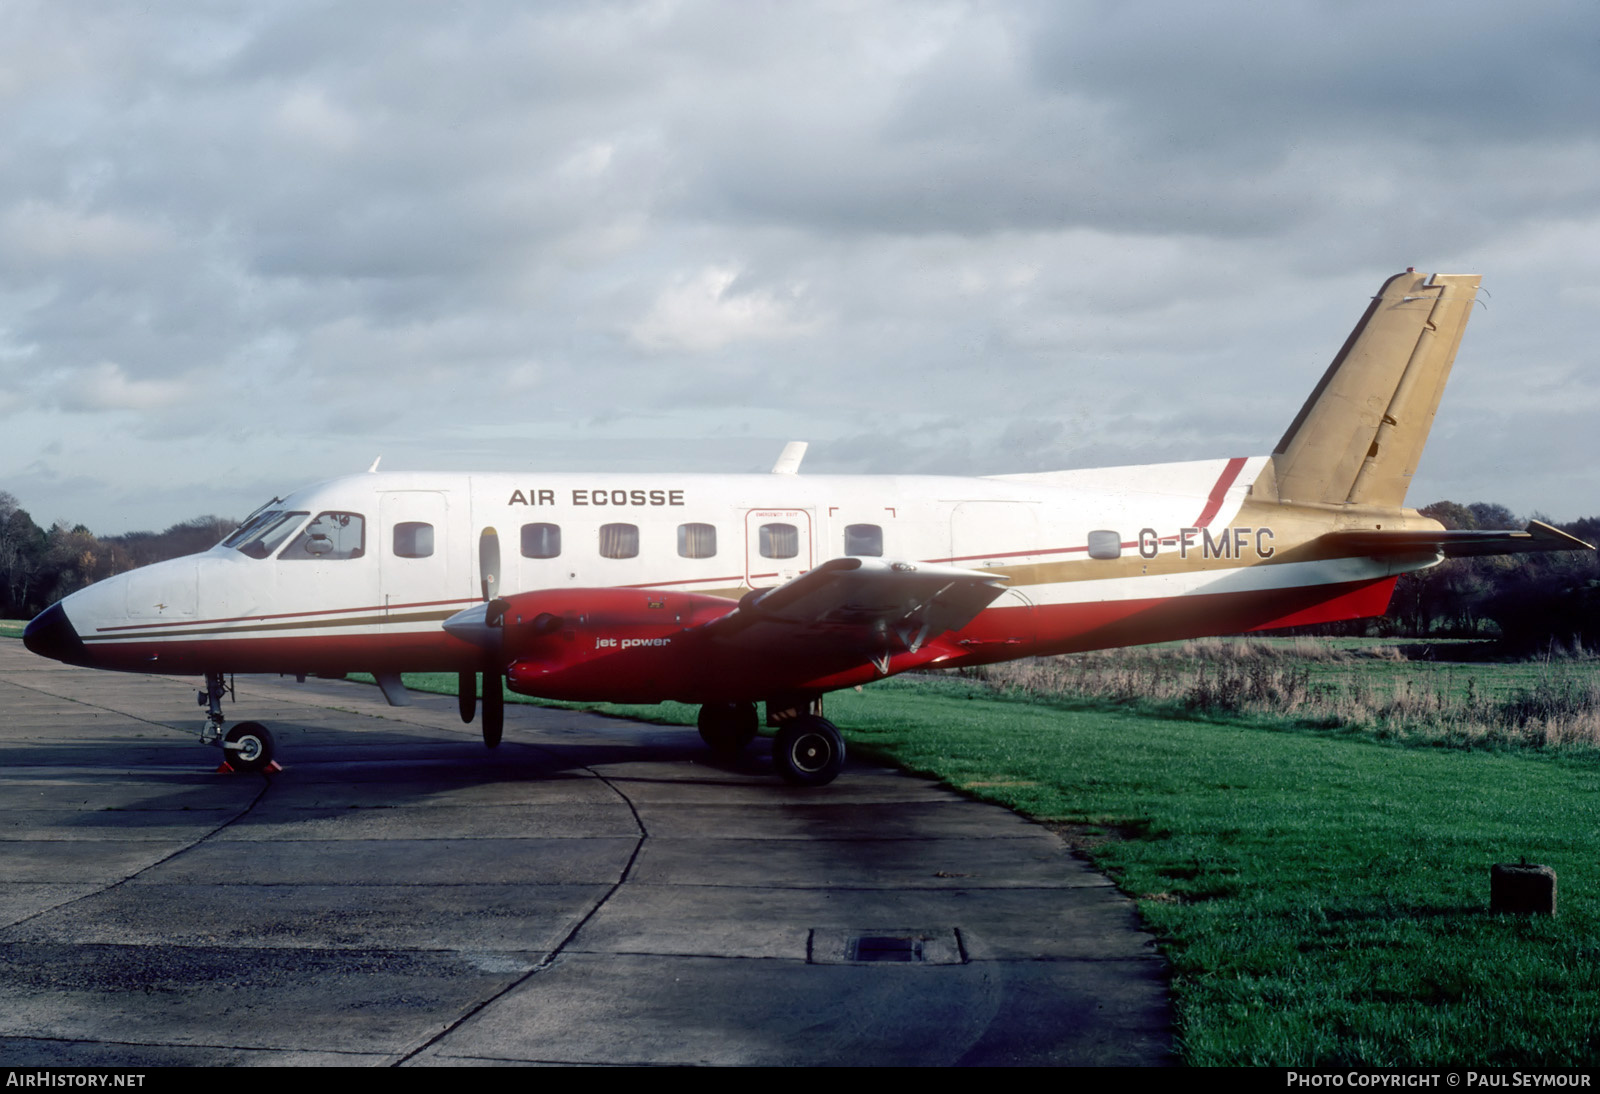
(248, 746)
(727, 728)
(808, 751)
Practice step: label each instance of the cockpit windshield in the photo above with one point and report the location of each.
(258, 538)
(250, 523)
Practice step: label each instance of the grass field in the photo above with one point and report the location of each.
(1320, 889)
(1405, 690)
(12, 628)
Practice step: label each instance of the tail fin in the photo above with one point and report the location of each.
(1358, 438)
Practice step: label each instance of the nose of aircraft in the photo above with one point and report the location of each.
(51, 634)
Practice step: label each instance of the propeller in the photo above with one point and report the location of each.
(487, 635)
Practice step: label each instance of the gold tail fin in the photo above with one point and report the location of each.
(1358, 438)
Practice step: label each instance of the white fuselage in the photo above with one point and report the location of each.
(1089, 554)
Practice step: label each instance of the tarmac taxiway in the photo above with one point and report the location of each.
(592, 892)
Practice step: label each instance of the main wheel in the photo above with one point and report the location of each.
(249, 747)
(727, 727)
(809, 752)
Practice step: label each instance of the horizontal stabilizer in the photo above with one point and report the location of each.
(1538, 536)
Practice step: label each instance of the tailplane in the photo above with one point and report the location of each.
(1358, 438)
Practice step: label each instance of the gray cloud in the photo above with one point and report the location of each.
(927, 237)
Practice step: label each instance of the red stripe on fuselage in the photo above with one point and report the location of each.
(1220, 491)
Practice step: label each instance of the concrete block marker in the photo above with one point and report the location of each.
(1522, 887)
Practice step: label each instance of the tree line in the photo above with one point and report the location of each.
(40, 566)
(1528, 601)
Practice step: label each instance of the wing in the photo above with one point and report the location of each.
(849, 611)
(1538, 536)
(848, 621)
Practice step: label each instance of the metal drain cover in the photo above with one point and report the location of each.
(843, 946)
(882, 947)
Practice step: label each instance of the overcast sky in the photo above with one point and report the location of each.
(245, 246)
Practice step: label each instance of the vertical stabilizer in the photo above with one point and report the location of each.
(1359, 437)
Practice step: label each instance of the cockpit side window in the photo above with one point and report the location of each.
(331, 537)
(261, 537)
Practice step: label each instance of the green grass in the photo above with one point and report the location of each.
(1322, 895)
(12, 628)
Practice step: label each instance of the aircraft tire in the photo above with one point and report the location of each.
(727, 728)
(249, 747)
(809, 751)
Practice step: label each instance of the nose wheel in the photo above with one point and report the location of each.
(249, 747)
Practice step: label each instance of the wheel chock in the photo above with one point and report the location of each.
(225, 768)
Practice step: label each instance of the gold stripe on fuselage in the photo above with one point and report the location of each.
(257, 628)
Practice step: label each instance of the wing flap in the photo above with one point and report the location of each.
(860, 606)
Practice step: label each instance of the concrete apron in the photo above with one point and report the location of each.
(592, 892)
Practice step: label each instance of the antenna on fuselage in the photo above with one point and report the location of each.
(374, 468)
(789, 459)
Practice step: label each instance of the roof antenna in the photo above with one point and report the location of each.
(373, 469)
(789, 459)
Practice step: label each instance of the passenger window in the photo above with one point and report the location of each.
(863, 539)
(619, 540)
(413, 539)
(331, 537)
(1105, 544)
(779, 541)
(541, 540)
(697, 540)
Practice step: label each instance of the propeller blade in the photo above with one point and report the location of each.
(494, 708)
(489, 563)
(467, 694)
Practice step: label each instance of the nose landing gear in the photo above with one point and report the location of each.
(248, 746)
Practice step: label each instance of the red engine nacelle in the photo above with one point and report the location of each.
(624, 645)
